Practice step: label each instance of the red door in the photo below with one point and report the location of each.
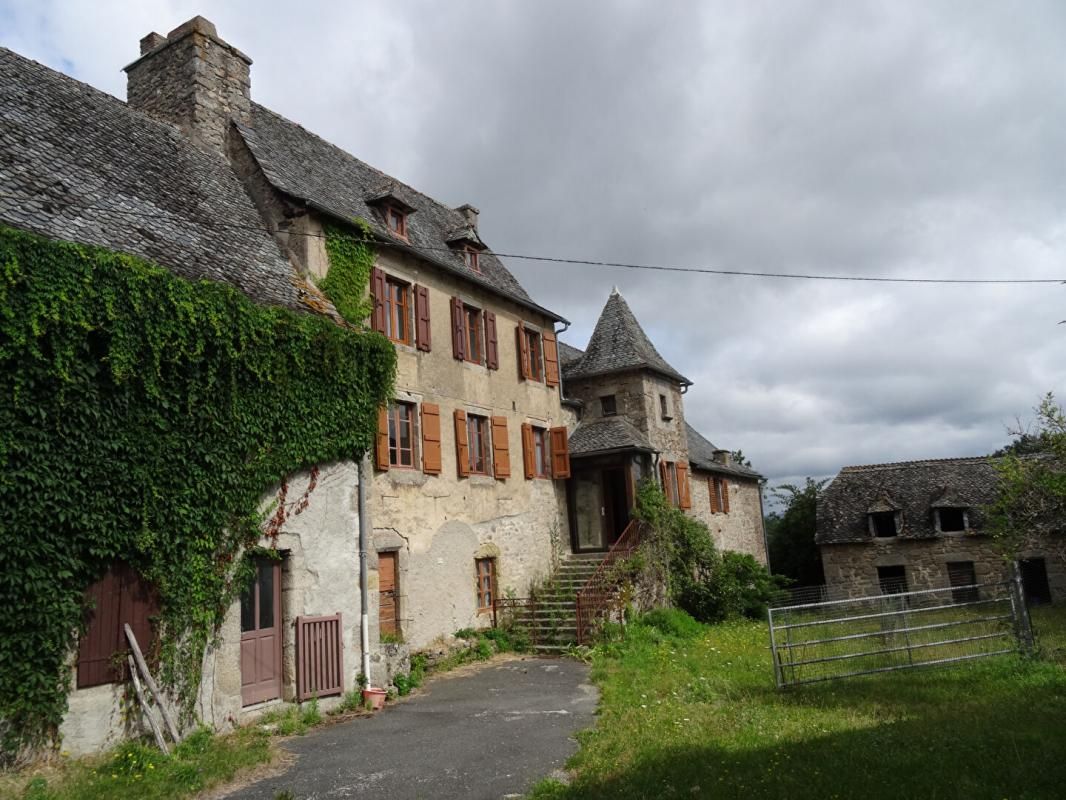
(387, 591)
(261, 635)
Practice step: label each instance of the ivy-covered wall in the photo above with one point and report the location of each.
(142, 416)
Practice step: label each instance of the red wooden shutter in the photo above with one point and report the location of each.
(492, 345)
(551, 358)
(683, 493)
(712, 490)
(423, 334)
(100, 640)
(431, 459)
(664, 480)
(725, 495)
(377, 295)
(501, 453)
(458, 330)
(522, 349)
(381, 439)
(462, 449)
(560, 453)
(529, 462)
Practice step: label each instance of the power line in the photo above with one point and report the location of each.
(557, 259)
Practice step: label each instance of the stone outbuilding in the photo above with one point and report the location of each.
(921, 525)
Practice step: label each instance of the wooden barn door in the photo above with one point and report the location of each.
(388, 592)
(261, 635)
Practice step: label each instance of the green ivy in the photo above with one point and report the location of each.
(142, 418)
(350, 260)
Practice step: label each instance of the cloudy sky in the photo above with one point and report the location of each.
(921, 139)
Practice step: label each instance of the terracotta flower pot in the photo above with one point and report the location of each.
(375, 696)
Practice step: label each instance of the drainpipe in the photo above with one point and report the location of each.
(364, 616)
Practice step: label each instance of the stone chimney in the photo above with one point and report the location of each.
(469, 214)
(192, 79)
(723, 457)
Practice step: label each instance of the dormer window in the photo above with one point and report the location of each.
(395, 220)
(470, 258)
(884, 524)
(952, 520)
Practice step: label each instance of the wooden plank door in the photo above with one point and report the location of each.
(388, 592)
(261, 635)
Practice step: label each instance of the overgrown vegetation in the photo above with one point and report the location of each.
(697, 715)
(679, 554)
(139, 772)
(790, 533)
(142, 417)
(351, 258)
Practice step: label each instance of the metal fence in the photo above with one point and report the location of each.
(823, 641)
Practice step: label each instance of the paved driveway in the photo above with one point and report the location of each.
(486, 734)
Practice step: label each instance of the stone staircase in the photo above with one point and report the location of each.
(552, 619)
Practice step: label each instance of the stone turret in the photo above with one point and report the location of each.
(192, 79)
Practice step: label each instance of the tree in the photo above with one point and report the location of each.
(1031, 501)
(740, 459)
(790, 534)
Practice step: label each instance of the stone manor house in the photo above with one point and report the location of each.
(504, 453)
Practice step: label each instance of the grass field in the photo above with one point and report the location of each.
(699, 717)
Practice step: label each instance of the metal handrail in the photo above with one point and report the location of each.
(594, 599)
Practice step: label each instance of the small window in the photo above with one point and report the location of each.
(675, 497)
(884, 524)
(479, 444)
(402, 435)
(664, 407)
(541, 454)
(470, 258)
(533, 351)
(962, 574)
(486, 583)
(951, 520)
(893, 579)
(398, 311)
(720, 500)
(396, 221)
(474, 334)
(608, 406)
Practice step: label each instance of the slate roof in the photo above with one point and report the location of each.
(101, 173)
(605, 434)
(310, 169)
(568, 355)
(701, 456)
(618, 344)
(914, 487)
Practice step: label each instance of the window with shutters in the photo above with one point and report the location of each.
(395, 220)
(719, 495)
(398, 310)
(403, 437)
(608, 405)
(473, 333)
(120, 597)
(470, 258)
(668, 471)
(478, 443)
(532, 353)
(486, 582)
(541, 453)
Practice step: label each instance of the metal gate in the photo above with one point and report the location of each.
(824, 641)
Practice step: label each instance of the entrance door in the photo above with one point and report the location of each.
(261, 635)
(615, 504)
(1034, 581)
(388, 592)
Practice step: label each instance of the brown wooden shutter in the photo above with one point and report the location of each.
(683, 493)
(377, 295)
(529, 457)
(560, 453)
(423, 331)
(431, 458)
(501, 452)
(381, 440)
(462, 448)
(458, 330)
(712, 490)
(492, 344)
(120, 596)
(522, 348)
(551, 358)
(725, 495)
(664, 481)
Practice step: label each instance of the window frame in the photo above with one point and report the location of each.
(873, 527)
(478, 431)
(397, 309)
(394, 418)
(542, 451)
(478, 316)
(608, 400)
(664, 408)
(393, 212)
(718, 486)
(883, 582)
(963, 512)
(485, 596)
(535, 354)
(471, 257)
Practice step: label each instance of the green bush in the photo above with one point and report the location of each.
(672, 622)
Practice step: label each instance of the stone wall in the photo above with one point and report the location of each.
(851, 569)
(741, 530)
